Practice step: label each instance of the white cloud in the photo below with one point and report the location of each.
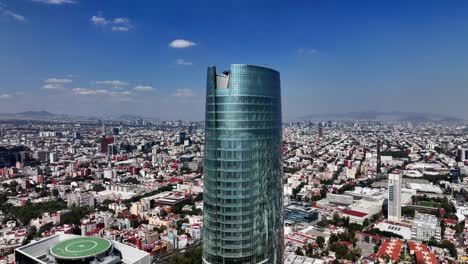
(183, 62)
(87, 92)
(56, 2)
(181, 44)
(55, 83)
(99, 20)
(307, 51)
(57, 80)
(114, 83)
(183, 93)
(8, 13)
(5, 96)
(82, 91)
(143, 88)
(121, 20)
(118, 24)
(53, 86)
(121, 29)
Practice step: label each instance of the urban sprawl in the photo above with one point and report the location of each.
(353, 192)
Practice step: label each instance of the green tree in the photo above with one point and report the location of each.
(25, 213)
(320, 241)
(298, 189)
(408, 211)
(340, 250)
(299, 251)
(346, 221)
(460, 227)
(366, 223)
(193, 256)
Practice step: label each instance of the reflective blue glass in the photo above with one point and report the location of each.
(243, 207)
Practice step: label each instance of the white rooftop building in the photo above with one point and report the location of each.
(40, 252)
(425, 226)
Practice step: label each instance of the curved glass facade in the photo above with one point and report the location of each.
(243, 207)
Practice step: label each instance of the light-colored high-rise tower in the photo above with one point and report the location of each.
(243, 207)
(394, 195)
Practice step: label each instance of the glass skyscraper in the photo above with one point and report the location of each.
(243, 202)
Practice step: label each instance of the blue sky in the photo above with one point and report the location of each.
(91, 57)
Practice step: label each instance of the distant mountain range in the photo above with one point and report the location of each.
(382, 116)
(362, 116)
(44, 115)
(33, 115)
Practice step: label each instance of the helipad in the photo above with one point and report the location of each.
(81, 247)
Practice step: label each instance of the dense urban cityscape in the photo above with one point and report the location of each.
(233, 132)
(140, 183)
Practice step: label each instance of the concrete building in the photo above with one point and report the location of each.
(300, 214)
(394, 196)
(53, 157)
(105, 142)
(111, 150)
(340, 199)
(39, 252)
(80, 199)
(424, 227)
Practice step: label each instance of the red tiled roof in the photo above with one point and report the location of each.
(369, 235)
(425, 258)
(391, 248)
(346, 243)
(450, 221)
(422, 253)
(175, 180)
(354, 213)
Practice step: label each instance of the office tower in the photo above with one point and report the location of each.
(53, 157)
(115, 131)
(459, 154)
(190, 129)
(103, 129)
(105, 141)
(111, 149)
(320, 130)
(243, 207)
(379, 158)
(76, 135)
(455, 173)
(181, 138)
(394, 196)
(40, 155)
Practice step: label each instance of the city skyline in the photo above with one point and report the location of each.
(95, 58)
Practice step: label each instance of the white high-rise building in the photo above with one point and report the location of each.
(394, 196)
(53, 157)
(104, 128)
